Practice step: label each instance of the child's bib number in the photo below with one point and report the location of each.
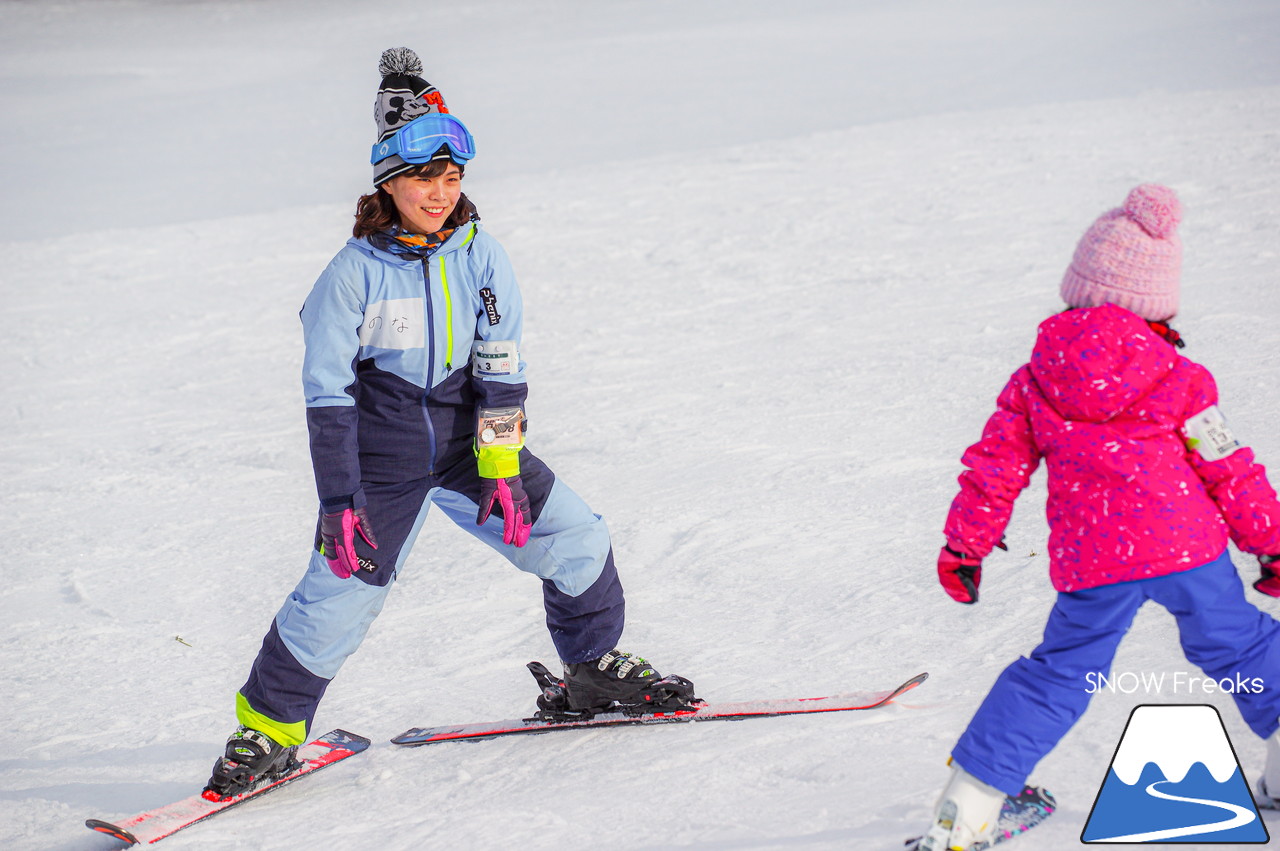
(1208, 434)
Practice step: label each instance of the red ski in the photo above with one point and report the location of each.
(153, 825)
(701, 712)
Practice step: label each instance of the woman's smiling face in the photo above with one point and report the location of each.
(425, 203)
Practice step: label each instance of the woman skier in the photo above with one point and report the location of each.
(415, 393)
(1146, 485)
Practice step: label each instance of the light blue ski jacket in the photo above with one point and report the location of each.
(387, 373)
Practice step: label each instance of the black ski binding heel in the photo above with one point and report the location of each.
(553, 703)
(670, 694)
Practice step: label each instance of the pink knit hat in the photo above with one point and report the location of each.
(1131, 257)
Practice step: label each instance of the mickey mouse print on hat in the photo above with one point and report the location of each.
(409, 133)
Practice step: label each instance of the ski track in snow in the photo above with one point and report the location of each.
(795, 342)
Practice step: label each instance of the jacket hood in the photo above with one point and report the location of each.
(1093, 363)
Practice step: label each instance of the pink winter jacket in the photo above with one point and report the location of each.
(1104, 401)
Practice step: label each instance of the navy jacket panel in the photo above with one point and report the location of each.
(387, 375)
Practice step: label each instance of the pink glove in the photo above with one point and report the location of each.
(1270, 581)
(509, 494)
(960, 575)
(338, 540)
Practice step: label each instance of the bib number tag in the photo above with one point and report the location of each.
(494, 357)
(500, 427)
(1208, 434)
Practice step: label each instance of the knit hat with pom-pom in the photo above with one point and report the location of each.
(1131, 257)
(402, 97)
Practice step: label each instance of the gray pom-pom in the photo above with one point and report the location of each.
(399, 60)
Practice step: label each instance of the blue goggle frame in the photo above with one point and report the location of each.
(420, 139)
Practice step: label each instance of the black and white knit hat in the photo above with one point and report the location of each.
(402, 97)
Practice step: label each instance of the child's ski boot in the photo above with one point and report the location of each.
(966, 814)
(250, 757)
(1262, 796)
(1268, 785)
(616, 682)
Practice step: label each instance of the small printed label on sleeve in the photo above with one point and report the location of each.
(490, 306)
(1208, 434)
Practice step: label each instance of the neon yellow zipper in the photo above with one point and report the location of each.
(448, 319)
(448, 308)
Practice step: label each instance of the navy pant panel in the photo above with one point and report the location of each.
(392, 509)
(281, 688)
(587, 626)
(325, 617)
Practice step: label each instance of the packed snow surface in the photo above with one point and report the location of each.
(777, 259)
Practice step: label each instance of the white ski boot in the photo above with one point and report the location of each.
(966, 813)
(1269, 782)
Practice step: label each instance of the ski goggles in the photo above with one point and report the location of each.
(420, 140)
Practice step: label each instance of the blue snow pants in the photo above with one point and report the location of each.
(1036, 700)
(325, 619)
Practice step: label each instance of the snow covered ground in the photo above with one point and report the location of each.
(809, 242)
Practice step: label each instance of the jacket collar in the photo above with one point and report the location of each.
(387, 248)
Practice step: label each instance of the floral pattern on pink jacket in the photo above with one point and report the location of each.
(1104, 402)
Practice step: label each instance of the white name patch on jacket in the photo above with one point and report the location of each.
(394, 324)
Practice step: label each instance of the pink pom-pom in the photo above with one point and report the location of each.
(1156, 208)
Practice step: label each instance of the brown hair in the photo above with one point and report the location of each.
(376, 212)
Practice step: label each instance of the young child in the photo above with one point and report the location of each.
(415, 391)
(1146, 484)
